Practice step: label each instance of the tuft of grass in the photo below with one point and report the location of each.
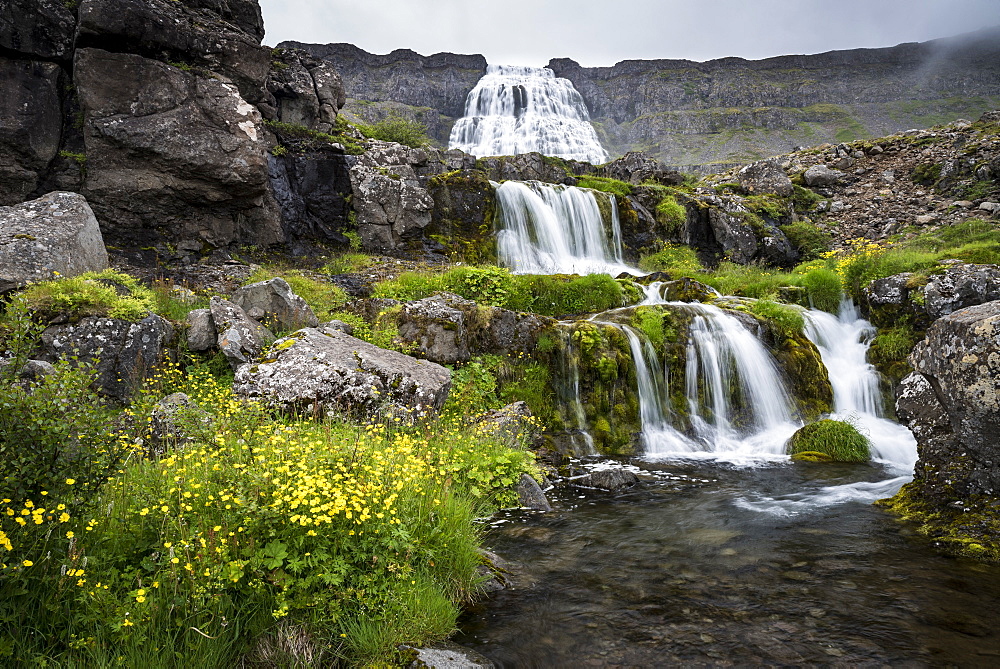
(670, 214)
(824, 289)
(836, 439)
(395, 128)
(809, 240)
(787, 317)
(671, 257)
(613, 186)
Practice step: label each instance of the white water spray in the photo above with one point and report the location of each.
(516, 109)
(552, 229)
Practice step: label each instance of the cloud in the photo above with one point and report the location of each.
(598, 32)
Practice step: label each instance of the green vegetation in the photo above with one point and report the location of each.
(926, 174)
(79, 158)
(256, 537)
(890, 349)
(394, 128)
(671, 257)
(555, 295)
(804, 199)
(771, 206)
(105, 293)
(325, 299)
(808, 240)
(823, 289)
(787, 317)
(301, 137)
(671, 215)
(613, 186)
(348, 263)
(831, 441)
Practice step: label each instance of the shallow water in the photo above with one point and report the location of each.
(713, 564)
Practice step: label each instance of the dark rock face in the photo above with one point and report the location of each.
(172, 155)
(961, 286)
(42, 28)
(531, 496)
(952, 404)
(305, 91)
(330, 370)
(636, 167)
(722, 225)
(56, 233)
(613, 480)
(125, 352)
(313, 192)
(532, 167)
(463, 219)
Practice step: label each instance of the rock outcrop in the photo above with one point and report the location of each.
(320, 371)
(274, 302)
(54, 235)
(240, 338)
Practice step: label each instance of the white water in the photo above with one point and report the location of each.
(843, 343)
(523, 109)
(552, 229)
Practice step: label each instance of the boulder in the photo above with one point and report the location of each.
(172, 155)
(960, 286)
(201, 334)
(447, 328)
(392, 206)
(530, 494)
(55, 234)
(956, 377)
(31, 370)
(240, 338)
(612, 479)
(175, 420)
(125, 352)
(821, 175)
(446, 655)
(274, 302)
(765, 177)
(331, 371)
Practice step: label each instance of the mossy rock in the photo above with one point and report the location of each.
(464, 215)
(811, 456)
(837, 440)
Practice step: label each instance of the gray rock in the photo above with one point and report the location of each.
(992, 207)
(612, 479)
(338, 326)
(175, 421)
(447, 655)
(31, 370)
(306, 91)
(240, 338)
(530, 494)
(42, 28)
(171, 154)
(964, 204)
(201, 335)
(821, 175)
(961, 286)
(765, 177)
(331, 371)
(959, 361)
(126, 352)
(277, 303)
(925, 219)
(891, 291)
(447, 328)
(55, 233)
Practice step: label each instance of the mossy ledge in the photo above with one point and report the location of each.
(970, 528)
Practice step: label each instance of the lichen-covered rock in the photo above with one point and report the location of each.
(126, 352)
(331, 371)
(175, 420)
(447, 328)
(273, 301)
(56, 234)
(240, 338)
(959, 364)
(961, 285)
(723, 226)
(636, 167)
(43, 28)
(201, 335)
(765, 177)
(821, 175)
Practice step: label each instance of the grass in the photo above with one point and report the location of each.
(106, 293)
(808, 240)
(394, 128)
(831, 441)
(671, 215)
(613, 186)
(671, 257)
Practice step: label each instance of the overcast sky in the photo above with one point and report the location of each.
(603, 32)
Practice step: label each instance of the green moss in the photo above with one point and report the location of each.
(971, 529)
(839, 440)
(302, 137)
(670, 215)
(926, 174)
(106, 293)
(786, 317)
(395, 128)
(890, 349)
(804, 199)
(808, 240)
(771, 206)
(613, 186)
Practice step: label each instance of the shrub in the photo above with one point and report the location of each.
(394, 128)
(837, 440)
(808, 239)
(671, 257)
(824, 289)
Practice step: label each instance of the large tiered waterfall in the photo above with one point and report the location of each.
(552, 229)
(516, 109)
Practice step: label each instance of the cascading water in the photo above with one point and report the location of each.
(843, 343)
(552, 229)
(516, 109)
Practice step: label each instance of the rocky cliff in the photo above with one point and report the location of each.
(703, 116)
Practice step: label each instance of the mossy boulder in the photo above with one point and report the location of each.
(835, 440)
(464, 215)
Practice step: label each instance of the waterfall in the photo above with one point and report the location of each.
(843, 343)
(515, 110)
(552, 229)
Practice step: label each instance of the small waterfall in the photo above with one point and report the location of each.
(523, 109)
(843, 343)
(552, 229)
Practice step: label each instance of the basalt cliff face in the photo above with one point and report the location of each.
(707, 116)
